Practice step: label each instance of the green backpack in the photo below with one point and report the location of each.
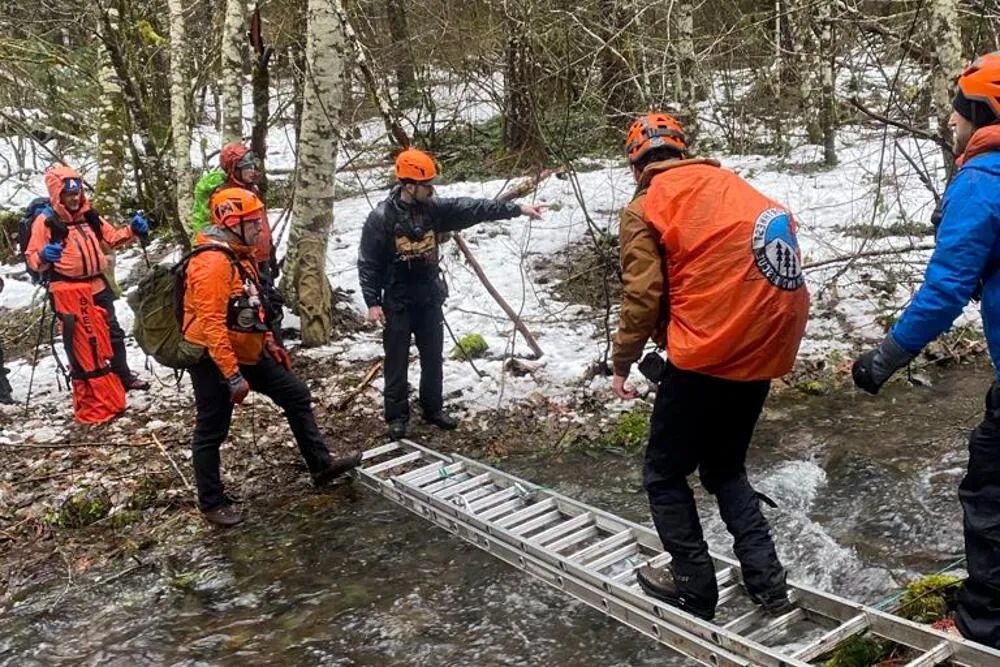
(158, 304)
(203, 190)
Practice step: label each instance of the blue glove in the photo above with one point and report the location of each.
(51, 253)
(873, 368)
(139, 224)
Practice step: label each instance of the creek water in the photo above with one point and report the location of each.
(866, 489)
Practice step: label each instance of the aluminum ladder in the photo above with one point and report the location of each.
(593, 556)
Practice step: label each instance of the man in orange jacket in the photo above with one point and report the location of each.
(711, 270)
(223, 312)
(66, 244)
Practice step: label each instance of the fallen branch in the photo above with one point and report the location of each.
(856, 103)
(867, 253)
(367, 380)
(172, 462)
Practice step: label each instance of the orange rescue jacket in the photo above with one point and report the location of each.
(737, 298)
(83, 255)
(210, 282)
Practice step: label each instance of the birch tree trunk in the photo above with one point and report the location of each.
(312, 211)
(110, 145)
(945, 36)
(828, 83)
(232, 71)
(179, 127)
(686, 82)
(809, 62)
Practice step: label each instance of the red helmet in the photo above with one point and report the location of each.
(230, 157)
(980, 82)
(653, 130)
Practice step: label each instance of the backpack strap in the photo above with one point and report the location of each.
(180, 270)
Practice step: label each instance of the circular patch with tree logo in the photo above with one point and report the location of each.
(777, 250)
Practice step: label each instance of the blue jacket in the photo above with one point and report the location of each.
(968, 245)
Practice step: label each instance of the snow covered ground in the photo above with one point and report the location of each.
(830, 204)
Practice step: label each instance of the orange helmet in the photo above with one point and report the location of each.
(232, 206)
(653, 130)
(415, 165)
(980, 83)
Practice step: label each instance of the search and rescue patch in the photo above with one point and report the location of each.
(776, 249)
(424, 248)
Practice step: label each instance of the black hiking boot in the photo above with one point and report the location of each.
(135, 383)
(442, 420)
(224, 516)
(398, 429)
(774, 604)
(660, 584)
(338, 467)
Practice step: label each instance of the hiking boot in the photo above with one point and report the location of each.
(135, 383)
(660, 584)
(442, 420)
(775, 604)
(5, 389)
(398, 429)
(224, 516)
(339, 466)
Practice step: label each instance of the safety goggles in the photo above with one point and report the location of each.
(249, 161)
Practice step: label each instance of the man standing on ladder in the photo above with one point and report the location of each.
(711, 270)
(966, 258)
(402, 284)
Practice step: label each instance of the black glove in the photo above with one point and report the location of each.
(873, 368)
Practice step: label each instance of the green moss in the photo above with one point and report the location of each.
(125, 518)
(470, 346)
(79, 510)
(184, 581)
(857, 652)
(812, 387)
(145, 495)
(926, 600)
(629, 432)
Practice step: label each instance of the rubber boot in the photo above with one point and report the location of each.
(763, 575)
(676, 519)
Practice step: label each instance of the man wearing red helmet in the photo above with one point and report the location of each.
(401, 281)
(965, 260)
(711, 271)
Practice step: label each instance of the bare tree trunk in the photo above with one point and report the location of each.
(828, 83)
(945, 34)
(232, 71)
(686, 82)
(312, 210)
(809, 63)
(261, 83)
(180, 82)
(400, 52)
(616, 84)
(521, 132)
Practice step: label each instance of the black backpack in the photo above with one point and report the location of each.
(59, 230)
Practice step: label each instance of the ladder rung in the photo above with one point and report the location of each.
(393, 463)
(528, 512)
(614, 557)
(448, 482)
(741, 623)
(475, 482)
(830, 640)
(436, 474)
(502, 509)
(725, 575)
(419, 472)
(536, 523)
(552, 533)
(480, 492)
(379, 451)
(584, 533)
(727, 593)
(935, 656)
(612, 542)
(493, 499)
(777, 626)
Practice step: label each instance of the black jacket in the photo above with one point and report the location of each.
(398, 258)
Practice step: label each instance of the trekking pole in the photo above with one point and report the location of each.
(459, 346)
(34, 361)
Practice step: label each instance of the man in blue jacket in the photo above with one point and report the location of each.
(966, 258)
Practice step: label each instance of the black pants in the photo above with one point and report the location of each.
(215, 411)
(978, 616)
(424, 324)
(704, 423)
(5, 388)
(119, 362)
